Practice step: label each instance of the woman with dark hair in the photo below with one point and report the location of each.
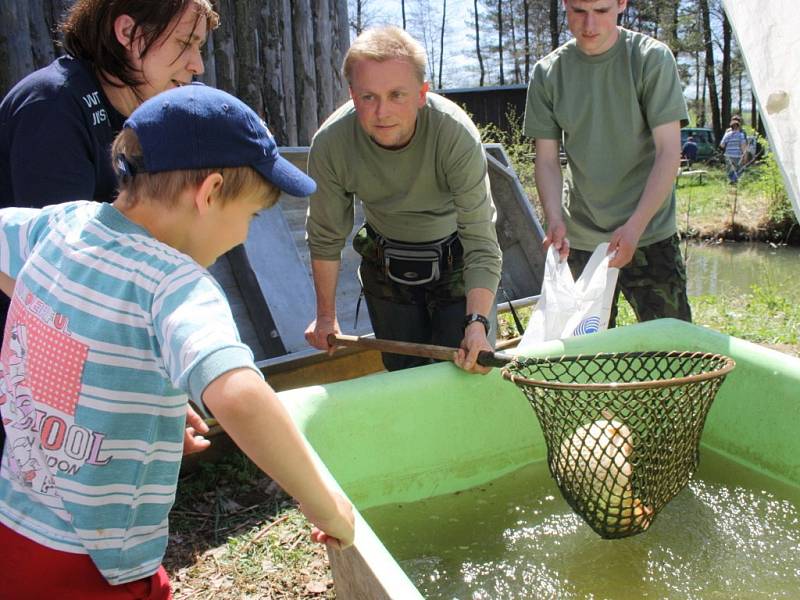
(57, 124)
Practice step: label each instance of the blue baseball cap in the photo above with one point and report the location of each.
(200, 127)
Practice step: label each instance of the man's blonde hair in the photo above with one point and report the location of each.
(386, 43)
(166, 187)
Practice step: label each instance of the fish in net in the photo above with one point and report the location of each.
(622, 429)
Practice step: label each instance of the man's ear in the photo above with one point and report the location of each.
(423, 91)
(123, 30)
(206, 196)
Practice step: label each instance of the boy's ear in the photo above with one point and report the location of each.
(207, 193)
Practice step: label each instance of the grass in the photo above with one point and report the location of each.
(764, 315)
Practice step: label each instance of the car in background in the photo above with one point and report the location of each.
(704, 138)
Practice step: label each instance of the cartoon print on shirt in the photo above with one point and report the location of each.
(22, 465)
(14, 385)
(40, 421)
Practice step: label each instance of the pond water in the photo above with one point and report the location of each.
(733, 267)
(732, 533)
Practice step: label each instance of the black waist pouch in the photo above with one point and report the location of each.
(412, 264)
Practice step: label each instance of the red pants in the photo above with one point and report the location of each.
(32, 572)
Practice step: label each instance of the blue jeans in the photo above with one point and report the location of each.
(732, 165)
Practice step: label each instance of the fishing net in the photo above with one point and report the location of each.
(622, 430)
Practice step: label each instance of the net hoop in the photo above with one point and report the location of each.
(727, 366)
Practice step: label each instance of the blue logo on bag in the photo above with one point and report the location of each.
(588, 325)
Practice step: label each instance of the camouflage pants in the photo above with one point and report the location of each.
(431, 313)
(653, 283)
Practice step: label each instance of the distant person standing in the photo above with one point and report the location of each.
(734, 144)
(689, 150)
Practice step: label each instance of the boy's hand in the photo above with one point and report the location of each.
(339, 528)
(193, 440)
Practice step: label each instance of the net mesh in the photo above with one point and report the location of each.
(622, 429)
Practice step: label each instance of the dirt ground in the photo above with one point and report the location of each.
(235, 535)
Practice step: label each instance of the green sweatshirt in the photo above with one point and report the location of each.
(435, 185)
(606, 107)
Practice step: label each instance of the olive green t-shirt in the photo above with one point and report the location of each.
(434, 186)
(606, 107)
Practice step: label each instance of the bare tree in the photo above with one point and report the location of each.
(441, 41)
(423, 25)
(512, 26)
(726, 100)
(500, 38)
(710, 74)
(363, 14)
(526, 12)
(555, 33)
(478, 42)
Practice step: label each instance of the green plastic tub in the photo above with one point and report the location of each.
(405, 436)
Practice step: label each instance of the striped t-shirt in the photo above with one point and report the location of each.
(109, 330)
(733, 141)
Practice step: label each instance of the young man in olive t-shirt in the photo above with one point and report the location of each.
(615, 99)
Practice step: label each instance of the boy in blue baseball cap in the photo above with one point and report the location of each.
(114, 324)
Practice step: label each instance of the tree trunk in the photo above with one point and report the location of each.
(441, 41)
(248, 69)
(288, 75)
(526, 11)
(500, 38)
(282, 57)
(224, 40)
(305, 79)
(478, 44)
(323, 42)
(740, 77)
(16, 56)
(727, 100)
(273, 20)
(341, 42)
(710, 75)
(514, 48)
(554, 33)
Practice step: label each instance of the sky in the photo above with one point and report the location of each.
(457, 44)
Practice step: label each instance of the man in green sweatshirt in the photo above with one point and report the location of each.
(430, 259)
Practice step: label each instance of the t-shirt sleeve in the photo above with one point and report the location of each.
(662, 94)
(467, 178)
(51, 158)
(21, 229)
(196, 331)
(330, 210)
(540, 121)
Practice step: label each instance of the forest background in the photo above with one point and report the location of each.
(283, 57)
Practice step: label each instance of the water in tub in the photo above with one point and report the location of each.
(732, 533)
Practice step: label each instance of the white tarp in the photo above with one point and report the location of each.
(768, 32)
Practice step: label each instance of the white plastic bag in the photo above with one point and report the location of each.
(567, 307)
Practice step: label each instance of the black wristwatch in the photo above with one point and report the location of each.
(471, 318)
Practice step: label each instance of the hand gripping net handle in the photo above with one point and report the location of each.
(622, 429)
